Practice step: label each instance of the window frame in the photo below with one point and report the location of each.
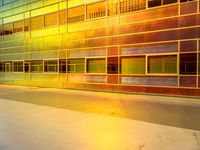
(162, 55)
(31, 65)
(75, 64)
(98, 58)
(13, 66)
(46, 66)
(132, 57)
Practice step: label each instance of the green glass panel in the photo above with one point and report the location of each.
(96, 66)
(162, 64)
(76, 65)
(133, 65)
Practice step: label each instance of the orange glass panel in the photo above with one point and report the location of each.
(37, 23)
(96, 10)
(63, 16)
(76, 14)
(51, 19)
(18, 26)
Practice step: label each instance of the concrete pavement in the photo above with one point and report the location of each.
(171, 111)
(55, 119)
(26, 126)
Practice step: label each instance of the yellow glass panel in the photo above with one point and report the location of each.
(62, 5)
(8, 19)
(53, 42)
(18, 17)
(37, 33)
(37, 12)
(75, 3)
(51, 8)
(48, 2)
(35, 5)
(112, 7)
(51, 31)
(27, 15)
(19, 9)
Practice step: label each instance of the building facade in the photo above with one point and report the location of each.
(145, 46)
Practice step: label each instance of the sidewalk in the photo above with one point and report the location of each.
(170, 111)
(26, 126)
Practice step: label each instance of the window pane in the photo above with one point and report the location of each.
(154, 3)
(169, 1)
(36, 66)
(37, 23)
(112, 7)
(96, 65)
(96, 10)
(188, 63)
(76, 65)
(185, 0)
(8, 28)
(133, 65)
(162, 64)
(76, 14)
(1, 67)
(131, 5)
(18, 66)
(112, 65)
(8, 66)
(51, 19)
(27, 66)
(1, 30)
(18, 26)
(26, 25)
(62, 16)
(50, 66)
(62, 66)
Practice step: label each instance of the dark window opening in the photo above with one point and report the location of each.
(154, 3)
(8, 28)
(18, 66)
(50, 66)
(26, 66)
(1, 67)
(62, 66)
(112, 65)
(36, 66)
(165, 2)
(188, 63)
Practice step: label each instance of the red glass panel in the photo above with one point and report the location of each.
(186, 46)
(188, 81)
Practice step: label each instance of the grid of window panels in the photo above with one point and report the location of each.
(120, 42)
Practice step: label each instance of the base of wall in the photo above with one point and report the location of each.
(171, 91)
(137, 89)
